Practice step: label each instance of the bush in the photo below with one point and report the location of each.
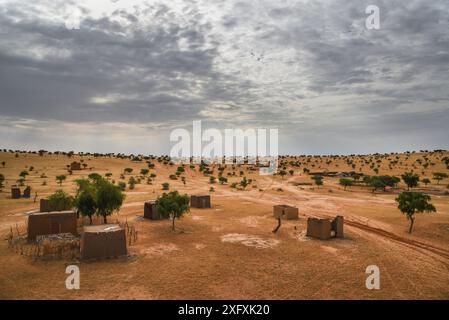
(60, 201)
(165, 186)
(122, 185)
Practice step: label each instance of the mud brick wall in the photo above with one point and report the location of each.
(285, 212)
(51, 223)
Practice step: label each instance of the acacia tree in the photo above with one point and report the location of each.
(318, 180)
(411, 179)
(60, 178)
(438, 176)
(172, 205)
(98, 195)
(345, 182)
(411, 202)
(282, 173)
(23, 174)
(86, 204)
(109, 198)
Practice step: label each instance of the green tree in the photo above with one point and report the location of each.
(426, 181)
(100, 194)
(60, 200)
(128, 170)
(438, 176)
(131, 183)
(282, 173)
(244, 183)
(318, 180)
(411, 179)
(165, 186)
(109, 198)
(411, 202)
(180, 169)
(122, 185)
(23, 174)
(60, 178)
(86, 203)
(345, 182)
(2, 181)
(172, 205)
(222, 180)
(95, 176)
(144, 172)
(291, 172)
(212, 179)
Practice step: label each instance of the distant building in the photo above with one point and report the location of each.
(27, 192)
(200, 201)
(285, 212)
(15, 192)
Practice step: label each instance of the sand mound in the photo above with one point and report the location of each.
(250, 240)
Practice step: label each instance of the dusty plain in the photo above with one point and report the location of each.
(229, 251)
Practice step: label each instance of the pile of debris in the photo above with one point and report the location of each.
(61, 245)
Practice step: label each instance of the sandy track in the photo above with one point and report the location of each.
(270, 199)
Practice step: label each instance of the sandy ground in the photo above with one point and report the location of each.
(229, 251)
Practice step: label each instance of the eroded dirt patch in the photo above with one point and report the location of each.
(250, 240)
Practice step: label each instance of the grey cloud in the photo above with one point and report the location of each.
(309, 67)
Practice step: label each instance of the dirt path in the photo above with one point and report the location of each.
(329, 206)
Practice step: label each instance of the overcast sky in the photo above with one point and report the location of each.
(135, 70)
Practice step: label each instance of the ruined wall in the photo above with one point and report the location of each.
(319, 228)
(337, 226)
(285, 212)
(200, 201)
(150, 211)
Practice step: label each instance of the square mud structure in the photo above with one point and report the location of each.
(325, 229)
(75, 166)
(202, 201)
(103, 241)
(43, 223)
(15, 193)
(27, 192)
(150, 211)
(285, 212)
(44, 205)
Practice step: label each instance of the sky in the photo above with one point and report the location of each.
(119, 76)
